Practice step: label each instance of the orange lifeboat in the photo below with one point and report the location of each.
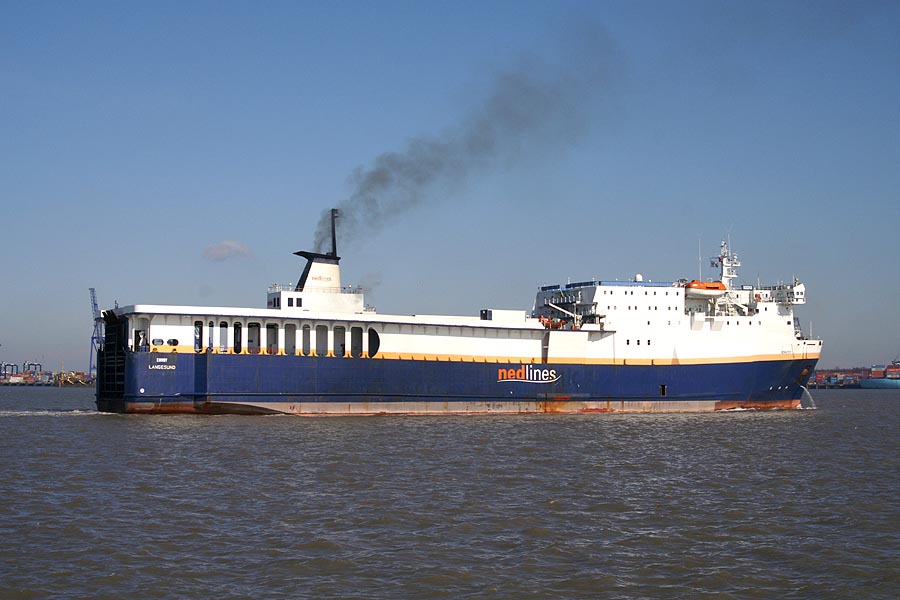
(552, 323)
(705, 289)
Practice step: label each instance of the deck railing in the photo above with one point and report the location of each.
(290, 287)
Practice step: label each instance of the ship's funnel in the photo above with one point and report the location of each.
(334, 216)
(322, 270)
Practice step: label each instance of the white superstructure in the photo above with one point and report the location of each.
(606, 322)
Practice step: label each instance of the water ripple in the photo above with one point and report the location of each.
(794, 504)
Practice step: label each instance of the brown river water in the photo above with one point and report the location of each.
(782, 504)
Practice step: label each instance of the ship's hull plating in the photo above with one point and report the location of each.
(880, 384)
(261, 384)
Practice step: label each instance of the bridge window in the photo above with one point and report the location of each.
(238, 342)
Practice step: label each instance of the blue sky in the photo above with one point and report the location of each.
(180, 152)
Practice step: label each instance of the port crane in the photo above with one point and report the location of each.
(97, 337)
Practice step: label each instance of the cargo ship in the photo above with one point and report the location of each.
(883, 377)
(595, 346)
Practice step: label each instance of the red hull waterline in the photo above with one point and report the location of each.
(374, 408)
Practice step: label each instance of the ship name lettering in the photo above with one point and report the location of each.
(529, 374)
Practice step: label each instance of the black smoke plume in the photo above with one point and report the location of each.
(532, 110)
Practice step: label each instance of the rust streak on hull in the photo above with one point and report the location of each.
(337, 408)
(751, 405)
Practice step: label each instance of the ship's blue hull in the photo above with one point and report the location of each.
(880, 384)
(261, 384)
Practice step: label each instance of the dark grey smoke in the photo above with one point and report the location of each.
(533, 110)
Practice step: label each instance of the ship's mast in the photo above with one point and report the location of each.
(728, 264)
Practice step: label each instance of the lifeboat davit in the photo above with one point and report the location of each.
(705, 289)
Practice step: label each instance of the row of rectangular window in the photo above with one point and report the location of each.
(276, 302)
(253, 343)
(631, 292)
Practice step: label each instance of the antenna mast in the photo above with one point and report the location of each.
(699, 258)
(97, 337)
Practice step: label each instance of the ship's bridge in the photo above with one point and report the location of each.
(579, 302)
(786, 294)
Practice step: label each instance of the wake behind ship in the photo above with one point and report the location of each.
(591, 346)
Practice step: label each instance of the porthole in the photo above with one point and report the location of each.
(172, 342)
(157, 342)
